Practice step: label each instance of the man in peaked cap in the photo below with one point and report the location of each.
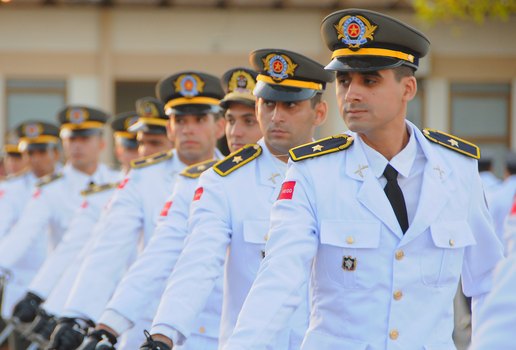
(38, 141)
(227, 231)
(126, 145)
(49, 211)
(239, 108)
(147, 276)
(152, 127)
(379, 219)
(196, 123)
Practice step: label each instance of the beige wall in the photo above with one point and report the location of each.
(91, 48)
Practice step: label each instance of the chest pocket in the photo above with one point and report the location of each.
(441, 264)
(255, 234)
(347, 252)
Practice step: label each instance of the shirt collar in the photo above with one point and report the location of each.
(402, 162)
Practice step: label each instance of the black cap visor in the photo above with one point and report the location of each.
(39, 146)
(282, 93)
(147, 128)
(66, 133)
(195, 109)
(127, 143)
(365, 64)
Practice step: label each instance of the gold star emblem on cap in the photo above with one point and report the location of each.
(237, 159)
(317, 148)
(454, 143)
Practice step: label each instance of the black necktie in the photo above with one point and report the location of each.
(395, 196)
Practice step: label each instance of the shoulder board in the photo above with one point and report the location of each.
(152, 159)
(94, 188)
(237, 159)
(453, 142)
(194, 171)
(45, 180)
(323, 146)
(16, 175)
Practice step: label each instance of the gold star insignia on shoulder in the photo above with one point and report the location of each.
(452, 142)
(152, 159)
(314, 149)
(195, 170)
(237, 159)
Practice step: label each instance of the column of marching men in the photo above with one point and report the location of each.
(355, 241)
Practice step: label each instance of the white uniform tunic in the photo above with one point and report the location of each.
(45, 217)
(127, 227)
(228, 224)
(500, 202)
(75, 238)
(497, 319)
(373, 287)
(138, 294)
(15, 192)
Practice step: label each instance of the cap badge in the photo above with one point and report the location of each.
(241, 81)
(77, 115)
(148, 109)
(189, 85)
(32, 130)
(279, 67)
(130, 121)
(355, 31)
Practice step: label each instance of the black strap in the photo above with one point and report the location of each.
(395, 196)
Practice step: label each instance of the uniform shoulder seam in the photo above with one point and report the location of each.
(195, 170)
(45, 180)
(452, 142)
(151, 160)
(321, 147)
(237, 159)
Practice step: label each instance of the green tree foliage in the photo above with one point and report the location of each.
(472, 10)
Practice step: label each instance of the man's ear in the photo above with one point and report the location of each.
(410, 88)
(321, 111)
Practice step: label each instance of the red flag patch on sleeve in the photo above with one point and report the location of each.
(166, 208)
(84, 204)
(123, 183)
(198, 194)
(36, 193)
(513, 209)
(287, 190)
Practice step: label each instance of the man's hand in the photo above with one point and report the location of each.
(27, 308)
(100, 339)
(69, 333)
(156, 342)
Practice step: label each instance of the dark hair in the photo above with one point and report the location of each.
(316, 99)
(402, 72)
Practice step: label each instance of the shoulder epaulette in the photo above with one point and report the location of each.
(453, 142)
(323, 146)
(237, 159)
(152, 159)
(16, 175)
(194, 171)
(45, 180)
(94, 188)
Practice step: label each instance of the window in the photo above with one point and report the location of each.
(33, 100)
(128, 92)
(480, 114)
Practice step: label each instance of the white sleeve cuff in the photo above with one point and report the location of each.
(116, 321)
(169, 332)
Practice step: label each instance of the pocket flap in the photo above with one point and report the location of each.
(351, 234)
(256, 231)
(452, 234)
